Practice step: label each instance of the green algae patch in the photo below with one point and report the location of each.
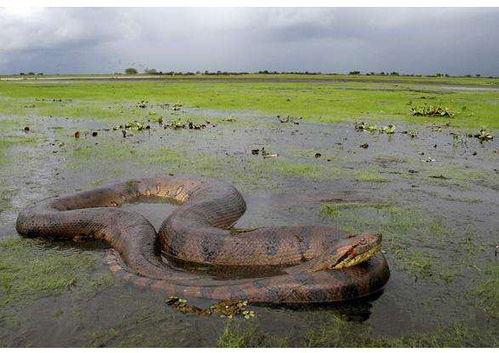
(30, 269)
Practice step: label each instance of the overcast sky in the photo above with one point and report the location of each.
(409, 40)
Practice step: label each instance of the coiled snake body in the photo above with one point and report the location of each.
(312, 260)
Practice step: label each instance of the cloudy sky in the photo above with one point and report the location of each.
(101, 40)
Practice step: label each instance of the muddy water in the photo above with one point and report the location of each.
(444, 186)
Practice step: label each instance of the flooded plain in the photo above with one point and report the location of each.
(431, 190)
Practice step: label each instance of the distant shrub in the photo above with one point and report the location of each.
(131, 71)
(394, 73)
(151, 71)
(354, 73)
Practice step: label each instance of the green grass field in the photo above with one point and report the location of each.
(322, 98)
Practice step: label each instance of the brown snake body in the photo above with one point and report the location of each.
(199, 231)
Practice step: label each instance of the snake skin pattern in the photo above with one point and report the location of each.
(200, 231)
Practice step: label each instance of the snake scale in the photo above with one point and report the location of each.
(315, 263)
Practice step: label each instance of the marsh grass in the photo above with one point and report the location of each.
(332, 102)
(238, 334)
(338, 333)
(30, 270)
(411, 238)
(6, 142)
(335, 332)
(488, 290)
(370, 175)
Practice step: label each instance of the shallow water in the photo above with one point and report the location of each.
(434, 199)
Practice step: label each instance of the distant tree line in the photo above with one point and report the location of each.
(134, 71)
(30, 74)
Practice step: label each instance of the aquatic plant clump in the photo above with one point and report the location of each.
(432, 110)
(225, 308)
(362, 126)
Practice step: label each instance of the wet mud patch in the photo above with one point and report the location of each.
(434, 205)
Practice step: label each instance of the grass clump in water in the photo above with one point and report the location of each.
(29, 271)
(488, 291)
(240, 335)
(338, 333)
(405, 232)
(370, 175)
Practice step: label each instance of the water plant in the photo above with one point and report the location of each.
(432, 110)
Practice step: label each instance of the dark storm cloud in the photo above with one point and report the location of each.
(410, 40)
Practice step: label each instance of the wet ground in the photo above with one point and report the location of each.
(432, 191)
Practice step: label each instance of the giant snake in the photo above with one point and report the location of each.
(313, 263)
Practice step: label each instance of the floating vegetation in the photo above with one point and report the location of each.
(142, 104)
(267, 154)
(438, 128)
(230, 119)
(177, 106)
(432, 110)
(362, 126)
(390, 129)
(289, 119)
(225, 308)
(185, 124)
(133, 125)
(483, 135)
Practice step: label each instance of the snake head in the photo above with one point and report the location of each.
(356, 249)
(348, 252)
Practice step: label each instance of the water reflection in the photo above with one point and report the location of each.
(358, 310)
